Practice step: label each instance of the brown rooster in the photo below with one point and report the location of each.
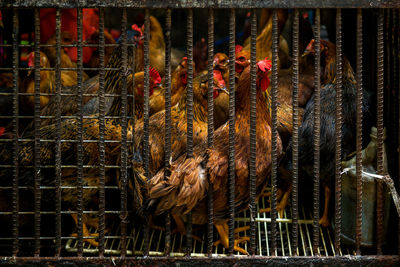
(186, 189)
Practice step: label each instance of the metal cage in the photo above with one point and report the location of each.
(296, 237)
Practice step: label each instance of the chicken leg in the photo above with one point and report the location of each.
(224, 237)
(282, 203)
(324, 221)
(85, 230)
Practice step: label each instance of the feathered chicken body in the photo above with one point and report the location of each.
(327, 141)
(186, 188)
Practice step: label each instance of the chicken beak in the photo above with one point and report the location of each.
(223, 89)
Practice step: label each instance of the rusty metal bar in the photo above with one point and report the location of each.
(189, 108)
(15, 194)
(210, 129)
(338, 132)
(359, 132)
(168, 126)
(146, 113)
(124, 125)
(380, 75)
(79, 64)
(37, 174)
(102, 201)
(58, 134)
(295, 137)
(317, 129)
(204, 4)
(396, 87)
(231, 177)
(253, 125)
(274, 93)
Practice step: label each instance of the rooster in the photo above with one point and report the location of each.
(186, 189)
(327, 145)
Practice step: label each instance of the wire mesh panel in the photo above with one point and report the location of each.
(141, 131)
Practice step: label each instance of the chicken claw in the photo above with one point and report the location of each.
(224, 239)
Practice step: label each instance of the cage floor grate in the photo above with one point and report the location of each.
(135, 241)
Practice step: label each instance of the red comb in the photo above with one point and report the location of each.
(1, 17)
(238, 48)
(264, 65)
(155, 75)
(31, 59)
(2, 130)
(136, 28)
(184, 58)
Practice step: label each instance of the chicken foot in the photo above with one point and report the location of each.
(324, 220)
(85, 230)
(224, 237)
(282, 203)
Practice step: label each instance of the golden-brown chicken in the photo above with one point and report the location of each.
(178, 85)
(179, 120)
(186, 188)
(264, 38)
(47, 83)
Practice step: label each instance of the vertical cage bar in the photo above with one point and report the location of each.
(396, 85)
(210, 129)
(37, 135)
(80, 133)
(274, 93)
(189, 106)
(359, 132)
(58, 134)
(146, 113)
(338, 132)
(295, 138)
(317, 129)
(232, 31)
(124, 92)
(102, 202)
(15, 195)
(167, 119)
(253, 123)
(380, 75)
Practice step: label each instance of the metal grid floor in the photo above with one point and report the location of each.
(135, 241)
